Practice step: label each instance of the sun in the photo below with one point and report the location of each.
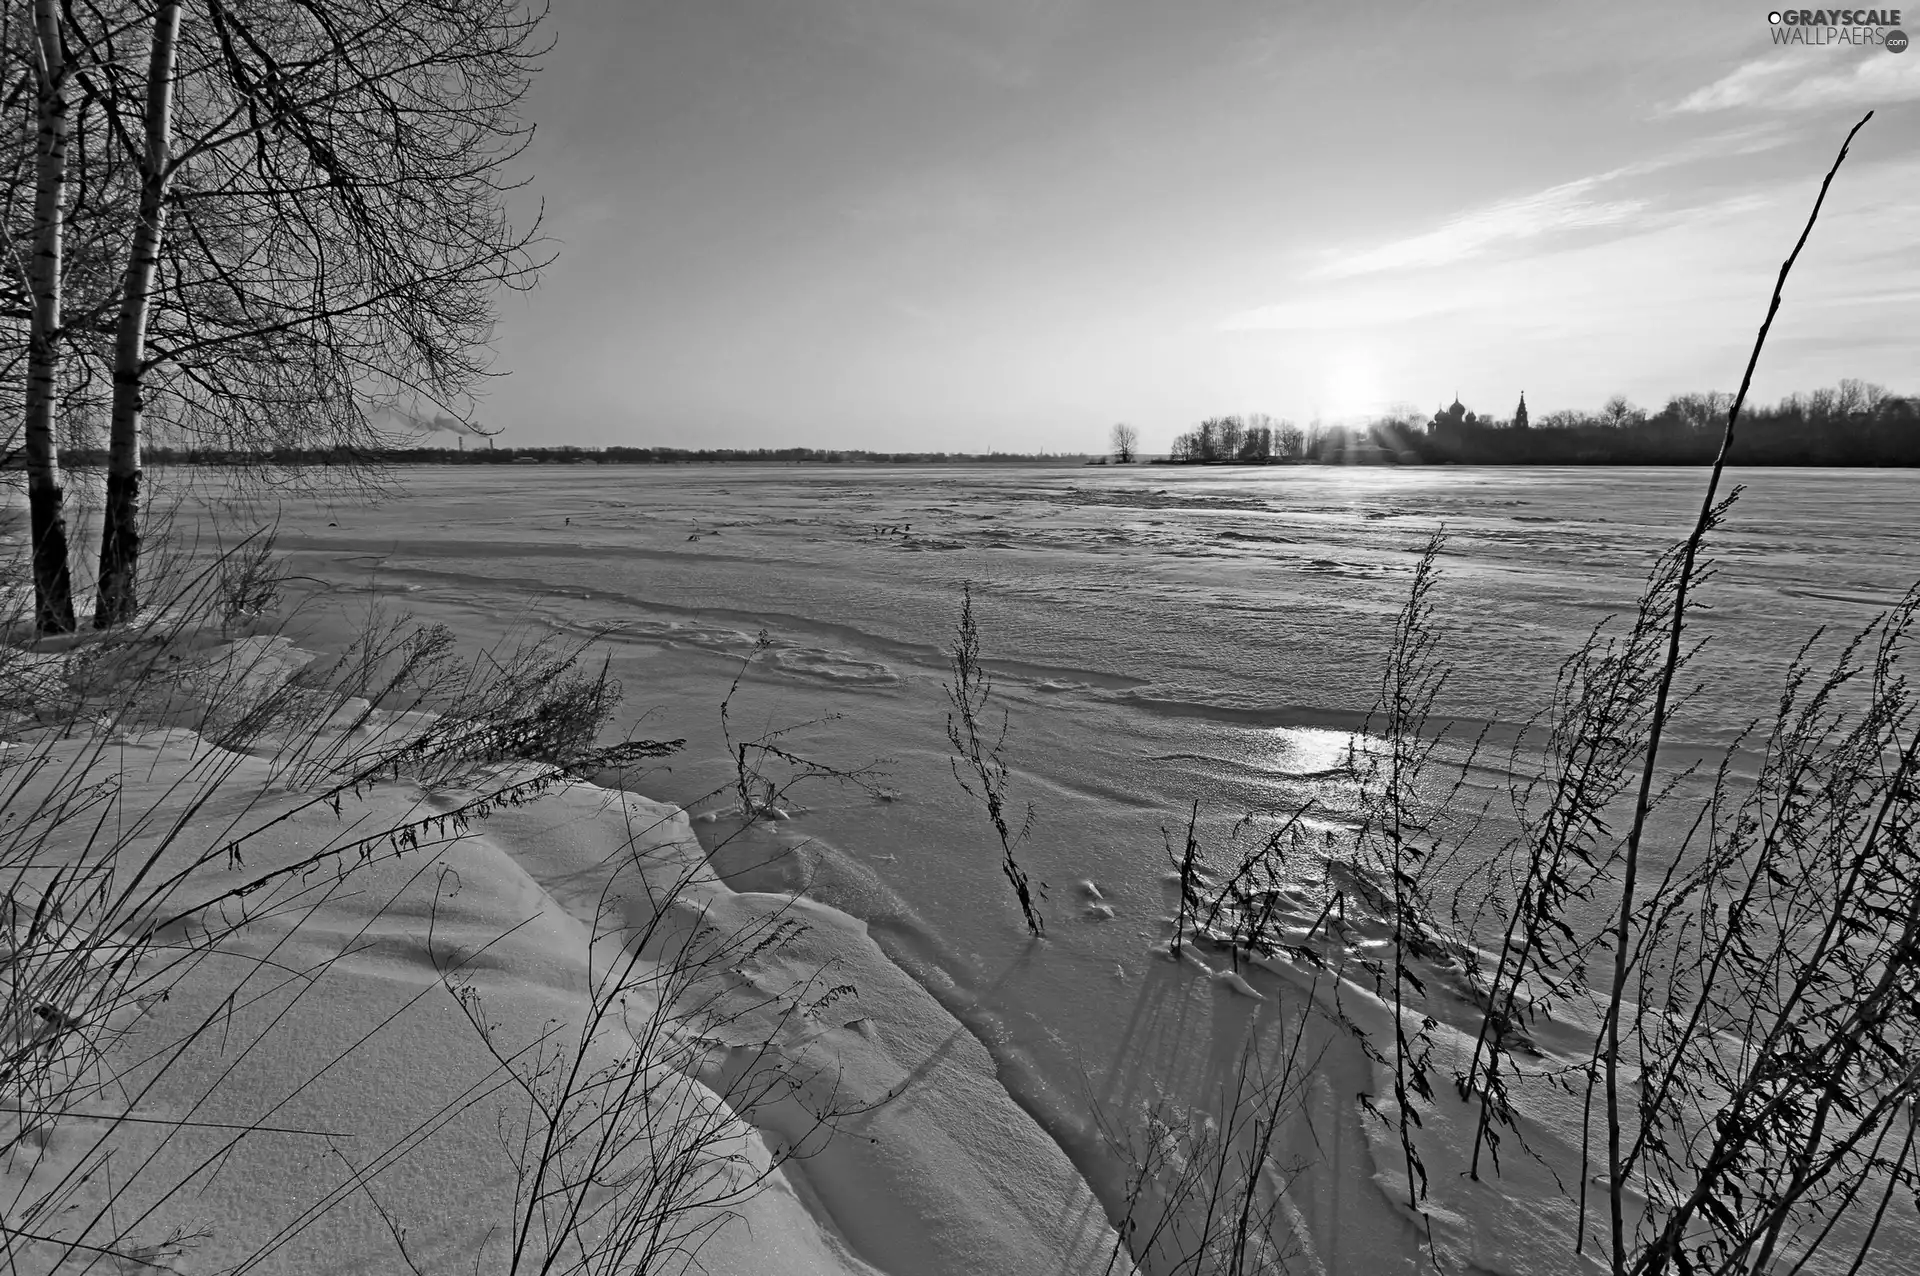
(1351, 385)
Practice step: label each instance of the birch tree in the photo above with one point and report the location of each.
(322, 223)
(46, 494)
(120, 533)
(304, 206)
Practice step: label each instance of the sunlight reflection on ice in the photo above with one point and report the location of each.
(1309, 752)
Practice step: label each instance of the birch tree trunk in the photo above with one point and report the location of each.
(118, 597)
(46, 500)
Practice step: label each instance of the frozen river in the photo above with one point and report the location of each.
(1159, 633)
(1158, 636)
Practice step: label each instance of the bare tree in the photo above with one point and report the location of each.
(1231, 433)
(1698, 411)
(46, 495)
(337, 187)
(120, 537)
(1855, 397)
(1620, 413)
(260, 226)
(1289, 440)
(1126, 443)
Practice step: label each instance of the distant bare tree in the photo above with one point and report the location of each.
(1126, 443)
(1206, 440)
(1289, 441)
(1857, 396)
(1619, 413)
(1257, 445)
(1230, 432)
(1698, 411)
(1852, 397)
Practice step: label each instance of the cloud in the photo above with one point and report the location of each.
(1374, 303)
(1568, 206)
(1791, 83)
(1747, 139)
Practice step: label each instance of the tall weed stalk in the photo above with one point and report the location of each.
(1625, 941)
(979, 755)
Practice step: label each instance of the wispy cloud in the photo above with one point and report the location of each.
(1747, 139)
(1788, 82)
(1579, 204)
(1568, 206)
(1342, 303)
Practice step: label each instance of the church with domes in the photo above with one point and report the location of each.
(1455, 417)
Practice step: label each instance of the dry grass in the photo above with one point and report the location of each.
(119, 890)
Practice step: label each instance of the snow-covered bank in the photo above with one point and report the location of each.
(377, 1021)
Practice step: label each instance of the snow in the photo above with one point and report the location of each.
(350, 997)
(1232, 981)
(937, 1171)
(1146, 660)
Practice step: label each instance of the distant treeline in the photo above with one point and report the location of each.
(83, 458)
(1252, 440)
(1854, 423)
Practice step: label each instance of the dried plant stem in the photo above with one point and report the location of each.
(1616, 1164)
(968, 695)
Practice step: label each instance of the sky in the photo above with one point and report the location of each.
(972, 225)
